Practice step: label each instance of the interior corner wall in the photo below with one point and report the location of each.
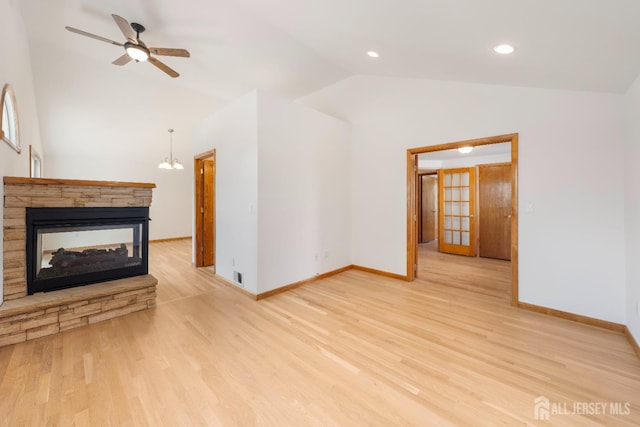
(232, 132)
(304, 192)
(571, 196)
(632, 210)
(15, 69)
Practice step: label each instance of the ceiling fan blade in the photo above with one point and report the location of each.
(170, 52)
(125, 27)
(164, 67)
(123, 60)
(93, 36)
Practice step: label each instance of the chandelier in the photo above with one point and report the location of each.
(170, 162)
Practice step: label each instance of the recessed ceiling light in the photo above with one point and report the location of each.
(373, 54)
(504, 49)
(465, 150)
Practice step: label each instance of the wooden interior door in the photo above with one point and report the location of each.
(494, 210)
(456, 195)
(428, 208)
(205, 212)
(208, 228)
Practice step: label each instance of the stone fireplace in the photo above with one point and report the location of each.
(70, 233)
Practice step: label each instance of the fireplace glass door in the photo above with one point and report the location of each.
(86, 249)
(76, 246)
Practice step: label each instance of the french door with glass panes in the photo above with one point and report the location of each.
(456, 195)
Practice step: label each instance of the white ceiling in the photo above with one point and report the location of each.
(295, 47)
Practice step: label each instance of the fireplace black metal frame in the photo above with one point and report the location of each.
(37, 218)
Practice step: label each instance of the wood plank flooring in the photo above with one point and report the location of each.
(486, 276)
(353, 349)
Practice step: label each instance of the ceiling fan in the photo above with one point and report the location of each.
(134, 48)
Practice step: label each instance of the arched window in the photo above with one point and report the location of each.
(9, 132)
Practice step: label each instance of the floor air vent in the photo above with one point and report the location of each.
(237, 277)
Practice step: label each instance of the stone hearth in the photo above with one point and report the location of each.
(24, 317)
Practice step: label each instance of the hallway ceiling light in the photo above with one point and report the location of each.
(170, 162)
(373, 54)
(504, 49)
(465, 150)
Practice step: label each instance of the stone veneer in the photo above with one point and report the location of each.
(48, 313)
(31, 317)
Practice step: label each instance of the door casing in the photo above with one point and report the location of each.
(412, 210)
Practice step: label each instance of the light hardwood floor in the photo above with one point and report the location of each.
(353, 349)
(485, 276)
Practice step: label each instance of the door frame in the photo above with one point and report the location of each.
(199, 206)
(412, 207)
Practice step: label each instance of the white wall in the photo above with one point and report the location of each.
(282, 190)
(571, 246)
(233, 132)
(102, 122)
(632, 212)
(15, 69)
(304, 192)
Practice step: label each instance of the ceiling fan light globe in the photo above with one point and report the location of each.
(137, 52)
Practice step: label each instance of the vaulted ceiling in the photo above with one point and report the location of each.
(296, 47)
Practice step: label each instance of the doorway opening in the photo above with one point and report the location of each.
(414, 199)
(204, 210)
